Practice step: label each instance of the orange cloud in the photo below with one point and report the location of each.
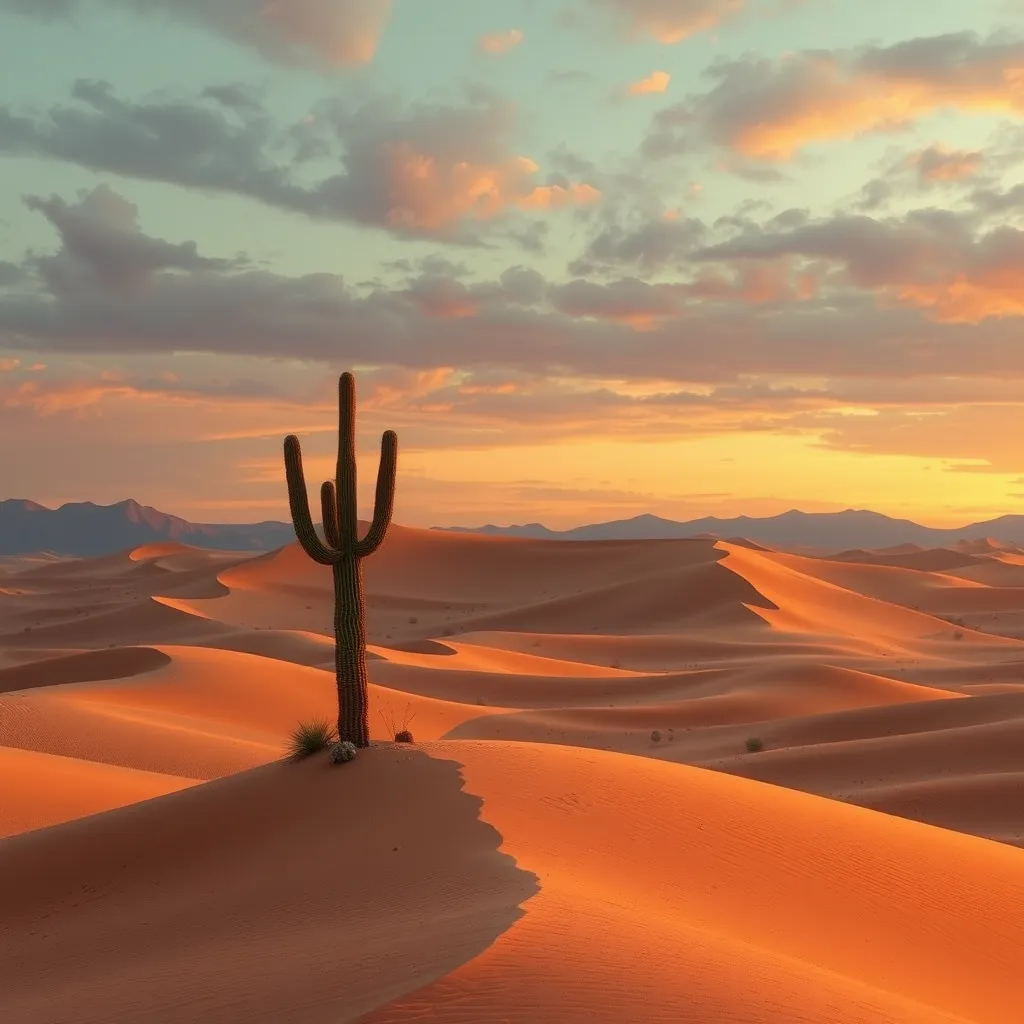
(499, 42)
(769, 110)
(656, 81)
(554, 197)
(839, 105)
(428, 195)
(970, 297)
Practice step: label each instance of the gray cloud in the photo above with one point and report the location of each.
(415, 172)
(715, 323)
(652, 245)
(104, 248)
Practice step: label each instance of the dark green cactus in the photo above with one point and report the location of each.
(344, 551)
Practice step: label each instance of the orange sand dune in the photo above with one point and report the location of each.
(1003, 570)
(921, 559)
(52, 789)
(582, 691)
(479, 900)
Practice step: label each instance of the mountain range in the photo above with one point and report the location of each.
(84, 529)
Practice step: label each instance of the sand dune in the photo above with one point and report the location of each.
(581, 830)
(520, 902)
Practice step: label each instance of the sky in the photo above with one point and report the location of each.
(589, 258)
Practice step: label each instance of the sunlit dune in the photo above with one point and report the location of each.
(626, 753)
(52, 788)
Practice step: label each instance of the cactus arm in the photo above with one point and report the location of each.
(298, 501)
(329, 511)
(346, 474)
(384, 502)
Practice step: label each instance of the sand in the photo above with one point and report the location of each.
(579, 831)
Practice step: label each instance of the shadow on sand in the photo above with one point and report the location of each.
(302, 891)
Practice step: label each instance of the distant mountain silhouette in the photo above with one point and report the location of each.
(792, 530)
(83, 529)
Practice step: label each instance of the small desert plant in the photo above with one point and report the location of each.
(342, 752)
(400, 733)
(656, 736)
(754, 744)
(310, 738)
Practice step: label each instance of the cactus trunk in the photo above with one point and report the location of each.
(350, 652)
(343, 550)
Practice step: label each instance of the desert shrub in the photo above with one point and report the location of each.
(341, 752)
(754, 744)
(399, 732)
(310, 738)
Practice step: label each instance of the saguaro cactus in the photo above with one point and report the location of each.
(344, 551)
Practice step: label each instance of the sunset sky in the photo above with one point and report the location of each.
(590, 258)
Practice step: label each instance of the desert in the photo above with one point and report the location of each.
(578, 829)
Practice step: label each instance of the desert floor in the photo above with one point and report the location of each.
(579, 832)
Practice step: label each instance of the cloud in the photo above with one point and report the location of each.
(935, 168)
(438, 170)
(667, 21)
(104, 247)
(651, 245)
(656, 81)
(937, 163)
(320, 33)
(769, 109)
(835, 297)
(933, 259)
(499, 42)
